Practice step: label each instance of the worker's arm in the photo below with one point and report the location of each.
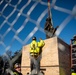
(41, 43)
(31, 46)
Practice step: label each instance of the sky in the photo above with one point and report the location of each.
(13, 38)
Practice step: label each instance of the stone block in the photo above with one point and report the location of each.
(55, 57)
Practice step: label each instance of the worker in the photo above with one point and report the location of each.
(73, 73)
(74, 38)
(35, 54)
(17, 69)
(73, 70)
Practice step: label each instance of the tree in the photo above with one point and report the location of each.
(1, 64)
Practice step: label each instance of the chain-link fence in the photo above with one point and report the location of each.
(21, 19)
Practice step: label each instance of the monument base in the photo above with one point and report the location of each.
(55, 58)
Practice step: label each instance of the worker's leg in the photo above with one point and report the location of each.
(38, 60)
(37, 64)
(31, 63)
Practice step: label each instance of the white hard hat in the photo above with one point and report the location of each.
(17, 65)
(74, 36)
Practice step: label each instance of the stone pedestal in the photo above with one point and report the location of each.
(55, 58)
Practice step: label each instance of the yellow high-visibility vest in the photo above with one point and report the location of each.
(73, 74)
(15, 73)
(33, 42)
(36, 50)
(74, 42)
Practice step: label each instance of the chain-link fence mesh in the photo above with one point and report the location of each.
(18, 23)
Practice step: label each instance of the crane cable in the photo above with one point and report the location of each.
(48, 8)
